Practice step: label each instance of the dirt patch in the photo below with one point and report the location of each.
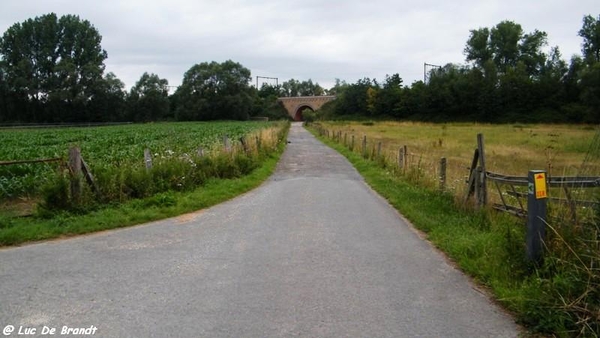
(20, 207)
(189, 217)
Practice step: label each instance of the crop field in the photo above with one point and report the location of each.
(103, 148)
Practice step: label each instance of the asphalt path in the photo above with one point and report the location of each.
(313, 252)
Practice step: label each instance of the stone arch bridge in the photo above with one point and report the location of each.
(295, 105)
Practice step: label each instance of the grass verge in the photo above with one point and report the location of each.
(14, 231)
(491, 248)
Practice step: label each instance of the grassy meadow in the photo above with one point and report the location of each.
(510, 149)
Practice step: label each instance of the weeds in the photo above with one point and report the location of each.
(170, 172)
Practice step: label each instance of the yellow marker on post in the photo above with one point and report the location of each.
(540, 186)
(536, 215)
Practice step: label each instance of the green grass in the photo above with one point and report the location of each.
(560, 298)
(14, 231)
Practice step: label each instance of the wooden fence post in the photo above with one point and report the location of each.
(443, 174)
(482, 200)
(477, 184)
(200, 152)
(403, 158)
(87, 173)
(75, 169)
(471, 181)
(352, 144)
(400, 158)
(226, 143)
(345, 139)
(364, 146)
(244, 145)
(379, 149)
(148, 159)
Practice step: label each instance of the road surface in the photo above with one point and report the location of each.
(313, 252)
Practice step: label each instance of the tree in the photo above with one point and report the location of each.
(389, 96)
(478, 48)
(4, 95)
(108, 102)
(290, 88)
(354, 98)
(551, 91)
(212, 91)
(506, 45)
(265, 103)
(590, 92)
(590, 32)
(338, 88)
(149, 99)
(308, 88)
(54, 64)
(530, 51)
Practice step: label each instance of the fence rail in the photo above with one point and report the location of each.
(42, 160)
(553, 181)
(60, 125)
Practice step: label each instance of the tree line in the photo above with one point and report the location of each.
(52, 70)
(507, 78)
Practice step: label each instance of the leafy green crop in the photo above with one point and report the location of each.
(104, 148)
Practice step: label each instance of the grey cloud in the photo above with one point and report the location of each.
(321, 40)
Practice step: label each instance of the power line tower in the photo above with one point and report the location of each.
(267, 78)
(427, 69)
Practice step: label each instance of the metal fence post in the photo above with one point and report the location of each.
(537, 197)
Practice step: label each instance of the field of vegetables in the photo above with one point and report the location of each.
(104, 148)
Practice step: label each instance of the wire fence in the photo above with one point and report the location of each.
(574, 198)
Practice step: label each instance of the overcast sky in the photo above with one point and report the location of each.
(302, 39)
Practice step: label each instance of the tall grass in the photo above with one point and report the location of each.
(561, 297)
(170, 171)
(510, 149)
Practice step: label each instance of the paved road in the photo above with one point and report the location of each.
(311, 253)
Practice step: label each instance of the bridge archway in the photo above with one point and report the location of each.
(295, 105)
(298, 114)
